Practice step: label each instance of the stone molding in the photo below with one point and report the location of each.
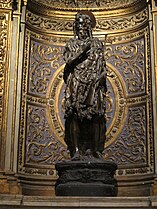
(20, 201)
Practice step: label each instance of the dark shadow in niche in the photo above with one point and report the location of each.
(14, 5)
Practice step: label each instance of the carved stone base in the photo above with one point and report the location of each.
(9, 184)
(85, 178)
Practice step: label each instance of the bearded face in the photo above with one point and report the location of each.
(82, 26)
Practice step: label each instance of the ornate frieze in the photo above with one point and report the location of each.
(48, 24)
(51, 25)
(123, 23)
(75, 4)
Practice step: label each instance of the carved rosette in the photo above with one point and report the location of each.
(128, 100)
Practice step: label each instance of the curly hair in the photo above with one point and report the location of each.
(86, 18)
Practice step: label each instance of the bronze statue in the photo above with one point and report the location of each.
(85, 79)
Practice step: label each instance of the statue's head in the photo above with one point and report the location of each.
(83, 24)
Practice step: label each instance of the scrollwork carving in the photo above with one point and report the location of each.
(107, 4)
(39, 101)
(123, 23)
(41, 146)
(6, 4)
(44, 61)
(3, 67)
(129, 59)
(49, 24)
(50, 39)
(128, 76)
(130, 147)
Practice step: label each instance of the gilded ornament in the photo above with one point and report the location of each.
(6, 4)
(77, 4)
(128, 77)
(49, 24)
(130, 145)
(4, 36)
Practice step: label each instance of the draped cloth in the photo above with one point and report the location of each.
(85, 78)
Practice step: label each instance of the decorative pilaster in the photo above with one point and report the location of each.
(153, 32)
(10, 23)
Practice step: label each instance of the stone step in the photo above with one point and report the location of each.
(40, 202)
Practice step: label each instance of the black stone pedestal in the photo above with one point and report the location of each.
(85, 178)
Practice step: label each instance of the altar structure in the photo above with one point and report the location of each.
(33, 34)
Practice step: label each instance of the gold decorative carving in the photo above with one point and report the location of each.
(49, 24)
(38, 100)
(44, 61)
(122, 23)
(22, 134)
(151, 156)
(53, 99)
(137, 171)
(4, 35)
(129, 59)
(3, 48)
(41, 147)
(58, 40)
(128, 98)
(137, 100)
(122, 38)
(130, 146)
(6, 4)
(39, 171)
(75, 4)
(111, 39)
